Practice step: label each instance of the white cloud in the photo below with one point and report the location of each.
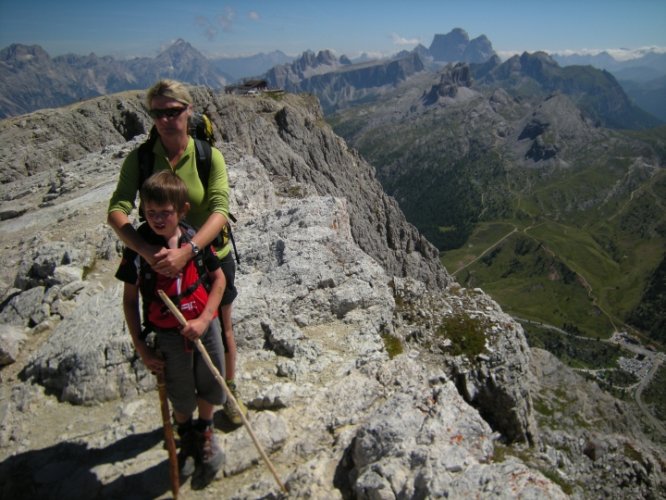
(627, 54)
(226, 19)
(209, 31)
(253, 15)
(617, 54)
(398, 40)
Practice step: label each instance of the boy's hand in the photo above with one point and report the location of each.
(194, 329)
(170, 261)
(152, 362)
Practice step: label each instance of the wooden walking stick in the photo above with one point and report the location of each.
(168, 435)
(169, 439)
(200, 347)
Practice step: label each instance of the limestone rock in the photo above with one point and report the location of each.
(11, 340)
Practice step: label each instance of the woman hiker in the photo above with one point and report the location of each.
(170, 106)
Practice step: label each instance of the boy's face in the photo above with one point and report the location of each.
(162, 219)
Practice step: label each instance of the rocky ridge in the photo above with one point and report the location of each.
(331, 277)
(30, 79)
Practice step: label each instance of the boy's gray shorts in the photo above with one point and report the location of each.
(186, 372)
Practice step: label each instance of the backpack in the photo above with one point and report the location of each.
(148, 282)
(200, 127)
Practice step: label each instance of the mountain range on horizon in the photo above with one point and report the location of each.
(30, 79)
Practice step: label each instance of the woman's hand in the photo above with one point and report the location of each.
(170, 261)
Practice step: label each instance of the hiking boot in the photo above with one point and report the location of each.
(210, 459)
(187, 455)
(230, 409)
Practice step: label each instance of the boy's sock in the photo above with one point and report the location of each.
(185, 427)
(202, 424)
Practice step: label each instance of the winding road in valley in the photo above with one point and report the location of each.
(655, 358)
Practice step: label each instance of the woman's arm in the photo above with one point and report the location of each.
(122, 203)
(120, 223)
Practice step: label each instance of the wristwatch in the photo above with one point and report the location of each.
(195, 248)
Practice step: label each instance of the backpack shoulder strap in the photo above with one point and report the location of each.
(202, 271)
(204, 161)
(146, 158)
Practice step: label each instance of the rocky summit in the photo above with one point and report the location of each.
(367, 371)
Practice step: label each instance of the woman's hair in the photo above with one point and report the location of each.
(165, 188)
(171, 89)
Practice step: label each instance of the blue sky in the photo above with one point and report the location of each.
(125, 28)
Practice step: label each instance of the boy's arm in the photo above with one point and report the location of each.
(195, 328)
(133, 320)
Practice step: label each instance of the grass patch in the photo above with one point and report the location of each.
(393, 345)
(553, 475)
(501, 452)
(465, 333)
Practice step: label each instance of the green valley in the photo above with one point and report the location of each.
(561, 220)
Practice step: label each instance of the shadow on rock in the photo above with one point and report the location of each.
(66, 471)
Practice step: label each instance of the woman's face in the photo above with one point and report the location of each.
(170, 116)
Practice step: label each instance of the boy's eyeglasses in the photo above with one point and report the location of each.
(167, 112)
(161, 215)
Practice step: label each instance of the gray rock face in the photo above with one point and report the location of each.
(421, 429)
(11, 341)
(330, 275)
(88, 358)
(494, 379)
(340, 89)
(288, 76)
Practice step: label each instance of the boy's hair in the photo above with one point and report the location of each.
(165, 188)
(168, 88)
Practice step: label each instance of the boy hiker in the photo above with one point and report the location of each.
(189, 382)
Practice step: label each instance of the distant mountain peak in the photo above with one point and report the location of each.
(20, 53)
(456, 46)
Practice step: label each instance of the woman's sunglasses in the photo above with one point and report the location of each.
(166, 112)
